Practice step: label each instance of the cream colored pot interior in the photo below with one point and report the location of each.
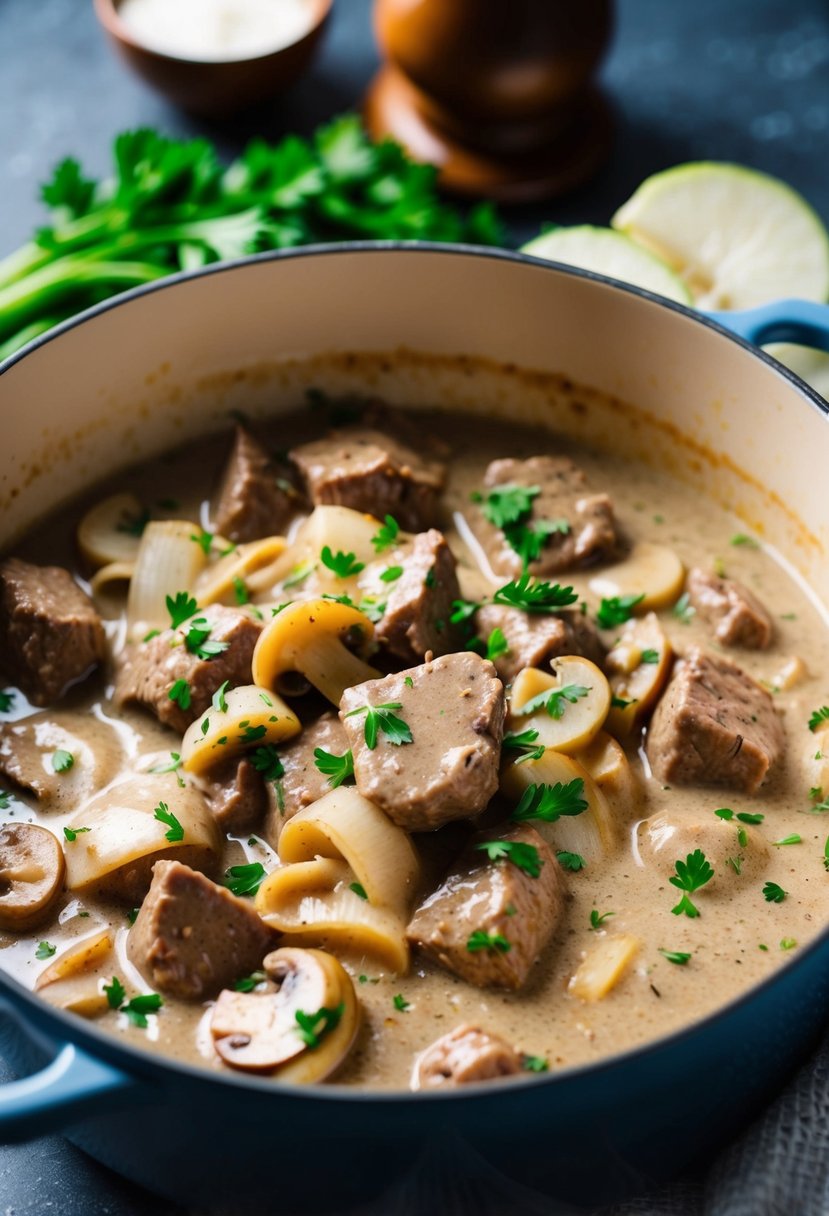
(477, 333)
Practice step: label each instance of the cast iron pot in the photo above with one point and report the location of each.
(129, 378)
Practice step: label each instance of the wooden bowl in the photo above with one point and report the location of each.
(214, 88)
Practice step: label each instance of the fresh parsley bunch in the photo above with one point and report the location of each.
(171, 205)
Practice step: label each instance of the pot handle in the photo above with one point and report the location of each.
(71, 1086)
(800, 321)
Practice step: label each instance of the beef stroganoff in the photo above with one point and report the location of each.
(391, 752)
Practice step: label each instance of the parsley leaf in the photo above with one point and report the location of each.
(336, 768)
(248, 982)
(266, 760)
(773, 893)
(344, 565)
(381, 718)
(244, 879)
(138, 1007)
(793, 839)
(219, 699)
(180, 608)
(598, 918)
(691, 874)
(525, 856)
(359, 890)
(534, 1064)
(62, 761)
(196, 640)
(818, 718)
(463, 610)
(509, 503)
(528, 539)
(391, 574)
(554, 700)
(5, 800)
(6, 700)
(115, 993)
(163, 814)
(617, 610)
(570, 861)
(680, 957)
(173, 767)
(204, 540)
(400, 1003)
(524, 742)
(299, 574)
(496, 645)
(532, 595)
(747, 542)
(45, 950)
(683, 609)
(495, 942)
(73, 833)
(550, 802)
(649, 656)
(180, 693)
(240, 590)
(386, 534)
(313, 1027)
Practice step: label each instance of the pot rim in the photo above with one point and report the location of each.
(142, 1062)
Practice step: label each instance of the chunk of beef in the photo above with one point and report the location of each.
(50, 634)
(237, 796)
(518, 913)
(535, 639)
(738, 617)
(192, 938)
(714, 726)
(369, 470)
(454, 708)
(303, 783)
(587, 528)
(464, 1055)
(148, 670)
(255, 498)
(418, 602)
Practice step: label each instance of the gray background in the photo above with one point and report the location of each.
(743, 80)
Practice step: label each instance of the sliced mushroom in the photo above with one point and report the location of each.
(32, 870)
(261, 1032)
(592, 833)
(73, 980)
(607, 764)
(652, 571)
(28, 747)
(310, 638)
(130, 829)
(638, 667)
(104, 534)
(604, 966)
(572, 703)
(252, 718)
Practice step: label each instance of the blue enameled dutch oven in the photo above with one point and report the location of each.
(484, 332)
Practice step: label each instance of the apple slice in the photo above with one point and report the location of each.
(611, 253)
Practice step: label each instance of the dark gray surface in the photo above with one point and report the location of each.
(746, 80)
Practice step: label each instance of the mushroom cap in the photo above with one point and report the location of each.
(32, 869)
(299, 627)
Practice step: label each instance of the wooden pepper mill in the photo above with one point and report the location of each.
(497, 93)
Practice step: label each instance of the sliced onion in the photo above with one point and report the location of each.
(168, 561)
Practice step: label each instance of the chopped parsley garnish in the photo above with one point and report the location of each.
(819, 807)
(524, 742)
(525, 856)
(196, 640)
(133, 525)
(386, 534)
(148, 637)
(115, 993)
(298, 575)
(463, 610)
(683, 609)
(381, 718)
(773, 893)
(219, 698)
(138, 1007)
(132, 915)
(819, 717)
(749, 817)
(359, 890)
(6, 700)
(617, 610)
(409, 682)
(163, 814)
(344, 565)
(621, 703)
(680, 957)
(73, 833)
(554, 700)
(62, 761)
(793, 839)
(598, 918)
(336, 768)
(550, 802)
(788, 943)
(430, 579)
(244, 879)
(372, 608)
(570, 861)
(826, 854)
(480, 940)
(691, 874)
(725, 812)
(532, 595)
(496, 644)
(240, 590)
(534, 1064)
(251, 734)
(181, 608)
(248, 982)
(180, 693)
(266, 760)
(508, 504)
(400, 1003)
(173, 767)
(313, 1027)
(742, 539)
(45, 950)
(391, 574)
(528, 539)
(649, 656)
(204, 540)
(5, 800)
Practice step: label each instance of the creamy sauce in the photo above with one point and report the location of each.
(738, 939)
(216, 30)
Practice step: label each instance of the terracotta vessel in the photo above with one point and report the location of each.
(500, 96)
